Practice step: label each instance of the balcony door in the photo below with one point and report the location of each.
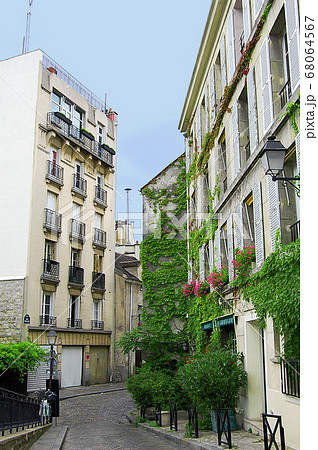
(47, 308)
(97, 263)
(51, 201)
(75, 258)
(98, 221)
(74, 310)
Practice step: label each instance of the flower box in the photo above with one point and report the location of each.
(63, 117)
(108, 149)
(87, 134)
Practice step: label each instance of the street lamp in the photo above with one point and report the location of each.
(51, 338)
(273, 159)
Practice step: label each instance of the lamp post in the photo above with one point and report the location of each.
(273, 159)
(51, 338)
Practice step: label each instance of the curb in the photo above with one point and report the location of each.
(91, 393)
(186, 443)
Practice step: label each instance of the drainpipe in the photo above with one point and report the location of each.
(264, 373)
(130, 326)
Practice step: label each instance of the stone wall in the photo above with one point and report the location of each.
(11, 310)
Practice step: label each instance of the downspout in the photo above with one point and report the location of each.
(264, 373)
(130, 326)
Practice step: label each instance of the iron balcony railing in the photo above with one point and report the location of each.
(55, 173)
(17, 410)
(97, 324)
(295, 231)
(77, 232)
(67, 129)
(76, 275)
(46, 319)
(74, 323)
(79, 185)
(99, 239)
(98, 281)
(52, 221)
(51, 270)
(100, 196)
(290, 377)
(285, 93)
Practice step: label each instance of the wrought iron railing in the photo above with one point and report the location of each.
(52, 221)
(285, 93)
(99, 239)
(98, 281)
(76, 275)
(272, 424)
(295, 231)
(77, 231)
(17, 411)
(100, 196)
(70, 131)
(79, 185)
(74, 323)
(46, 319)
(290, 377)
(55, 173)
(97, 324)
(51, 270)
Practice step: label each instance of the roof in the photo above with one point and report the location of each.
(123, 261)
(158, 174)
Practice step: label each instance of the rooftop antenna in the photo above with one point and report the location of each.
(26, 38)
(128, 238)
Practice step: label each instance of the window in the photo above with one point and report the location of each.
(77, 118)
(248, 221)
(205, 192)
(224, 246)
(47, 308)
(51, 201)
(98, 221)
(74, 308)
(100, 133)
(97, 311)
(75, 257)
(49, 250)
(98, 267)
(71, 111)
(56, 102)
(222, 163)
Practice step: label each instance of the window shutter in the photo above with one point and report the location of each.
(258, 224)
(206, 105)
(230, 47)
(91, 114)
(274, 211)
(291, 12)
(212, 95)
(239, 226)
(252, 109)
(298, 152)
(236, 139)
(187, 154)
(246, 19)
(201, 262)
(218, 249)
(190, 271)
(198, 121)
(266, 86)
(230, 248)
(223, 63)
(257, 7)
(211, 254)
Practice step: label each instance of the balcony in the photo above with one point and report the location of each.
(51, 270)
(52, 221)
(285, 94)
(77, 232)
(98, 281)
(290, 377)
(76, 276)
(74, 323)
(100, 198)
(99, 239)
(79, 186)
(55, 174)
(295, 231)
(47, 320)
(64, 126)
(97, 324)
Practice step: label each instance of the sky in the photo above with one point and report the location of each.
(140, 53)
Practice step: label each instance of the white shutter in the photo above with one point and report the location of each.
(239, 226)
(190, 271)
(211, 254)
(212, 95)
(298, 152)
(257, 7)
(223, 63)
(258, 224)
(236, 139)
(252, 109)
(291, 12)
(266, 85)
(274, 211)
(230, 248)
(246, 19)
(198, 120)
(51, 201)
(201, 262)
(206, 105)
(230, 45)
(187, 155)
(218, 249)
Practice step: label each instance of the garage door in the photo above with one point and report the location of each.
(71, 366)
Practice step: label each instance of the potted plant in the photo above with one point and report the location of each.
(63, 117)
(213, 379)
(87, 134)
(108, 148)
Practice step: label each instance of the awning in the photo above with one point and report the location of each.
(219, 322)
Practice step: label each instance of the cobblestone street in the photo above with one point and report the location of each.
(99, 422)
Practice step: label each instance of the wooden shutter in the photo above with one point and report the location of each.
(230, 249)
(206, 105)
(258, 223)
(230, 45)
(187, 155)
(211, 254)
(236, 139)
(246, 19)
(298, 152)
(201, 262)
(218, 249)
(212, 95)
(198, 127)
(266, 85)
(291, 12)
(239, 228)
(252, 110)
(257, 7)
(223, 63)
(274, 211)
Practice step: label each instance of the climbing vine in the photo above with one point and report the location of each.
(291, 109)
